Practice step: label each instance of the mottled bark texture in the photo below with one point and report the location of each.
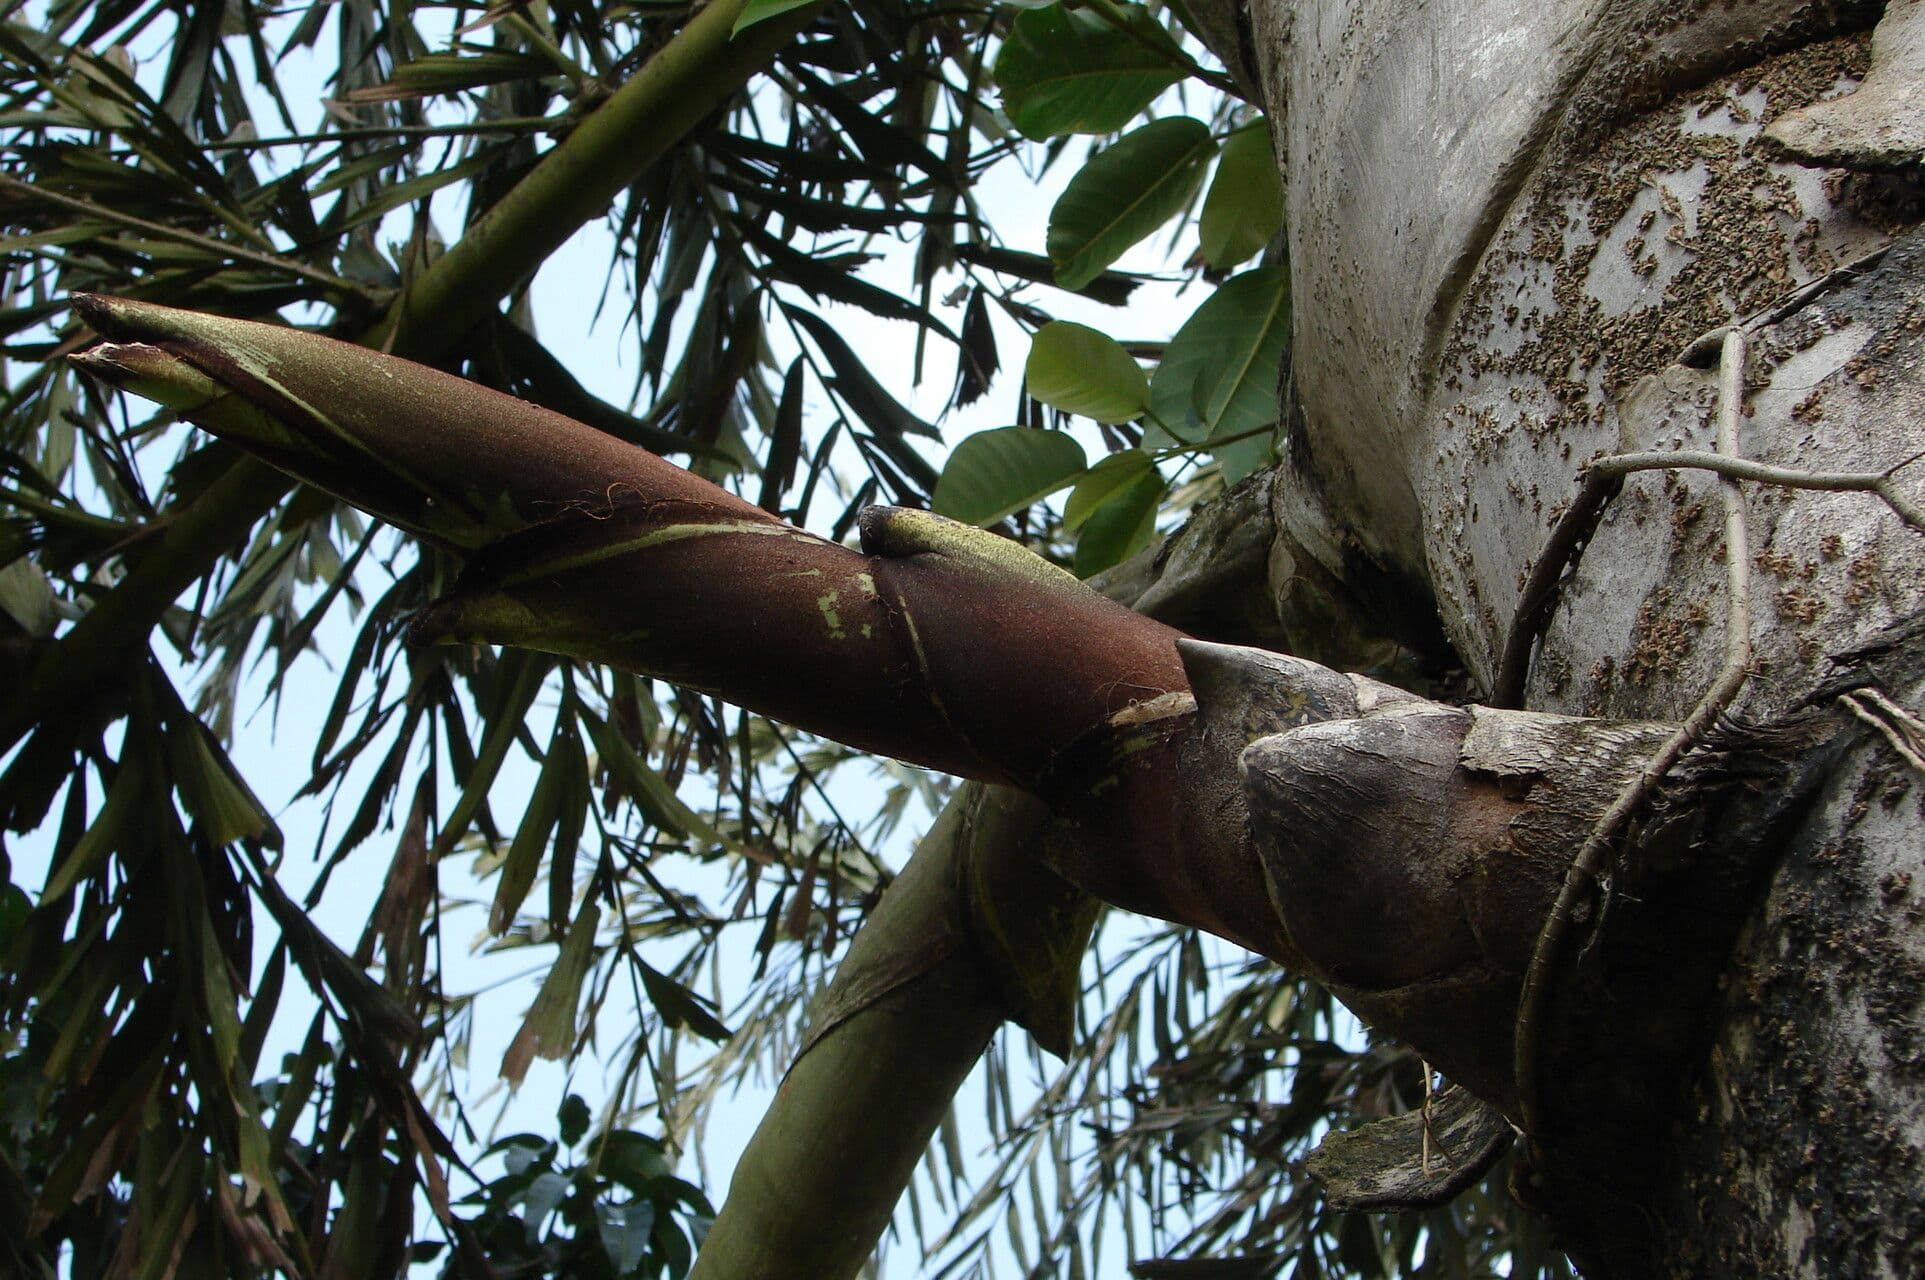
(1507, 222)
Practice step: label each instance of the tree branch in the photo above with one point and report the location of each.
(912, 1007)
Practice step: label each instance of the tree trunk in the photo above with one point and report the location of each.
(1507, 224)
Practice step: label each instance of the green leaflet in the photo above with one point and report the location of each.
(1077, 71)
(1124, 193)
(1121, 525)
(1217, 384)
(1244, 208)
(1077, 369)
(996, 472)
(1102, 482)
(761, 11)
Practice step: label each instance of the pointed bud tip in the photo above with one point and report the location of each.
(148, 371)
(871, 525)
(126, 320)
(1214, 667)
(105, 315)
(1261, 690)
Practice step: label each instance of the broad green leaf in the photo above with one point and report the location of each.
(574, 1118)
(1120, 526)
(995, 472)
(1079, 370)
(1218, 378)
(633, 1159)
(761, 11)
(1240, 458)
(1115, 472)
(1075, 71)
(541, 1198)
(1124, 193)
(1244, 209)
(625, 1233)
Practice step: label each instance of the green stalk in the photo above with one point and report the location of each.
(690, 76)
(675, 90)
(936, 968)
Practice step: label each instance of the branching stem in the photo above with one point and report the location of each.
(1583, 872)
(1601, 482)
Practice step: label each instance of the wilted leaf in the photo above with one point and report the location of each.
(549, 1029)
(212, 790)
(522, 673)
(647, 788)
(785, 441)
(111, 829)
(679, 1006)
(879, 410)
(976, 359)
(1111, 288)
(538, 817)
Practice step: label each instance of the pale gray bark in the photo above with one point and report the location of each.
(1507, 222)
